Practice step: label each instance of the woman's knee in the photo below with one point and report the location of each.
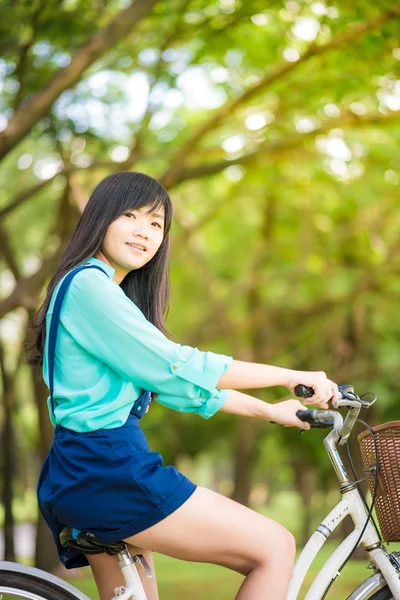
(279, 547)
(285, 545)
(290, 545)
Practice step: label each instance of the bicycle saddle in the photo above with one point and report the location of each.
(87, 543)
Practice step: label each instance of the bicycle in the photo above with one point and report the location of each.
(17, 581)
(384, 584)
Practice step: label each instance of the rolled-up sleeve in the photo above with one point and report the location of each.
(108, 325)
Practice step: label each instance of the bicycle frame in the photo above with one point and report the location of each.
(352, 505)
(134, 588)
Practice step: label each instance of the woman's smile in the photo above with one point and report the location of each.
(137, 247)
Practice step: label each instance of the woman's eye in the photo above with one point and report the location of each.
(129, 214)
(156, 223)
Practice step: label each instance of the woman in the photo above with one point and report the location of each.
(111, 353)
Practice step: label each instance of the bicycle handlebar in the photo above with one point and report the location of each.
(319, 418)
(331, 418)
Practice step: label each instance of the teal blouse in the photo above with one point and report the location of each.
(107, 353)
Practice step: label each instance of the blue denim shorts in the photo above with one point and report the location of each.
(107, 482)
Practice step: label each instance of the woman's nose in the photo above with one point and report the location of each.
(140, 231)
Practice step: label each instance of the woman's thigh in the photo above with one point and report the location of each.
(211, 528)
(108, 575)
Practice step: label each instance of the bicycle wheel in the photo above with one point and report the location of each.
(383, 594)
(28, 587)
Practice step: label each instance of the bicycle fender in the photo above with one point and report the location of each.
(372, 584)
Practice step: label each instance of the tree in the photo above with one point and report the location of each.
(276, 131)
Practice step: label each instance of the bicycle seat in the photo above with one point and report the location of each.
(87, 543)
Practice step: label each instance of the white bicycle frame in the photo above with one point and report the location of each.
(352, 505)
(133, 588)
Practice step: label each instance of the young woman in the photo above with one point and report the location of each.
(111, 356)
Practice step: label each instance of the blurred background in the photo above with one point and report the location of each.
(275, 127)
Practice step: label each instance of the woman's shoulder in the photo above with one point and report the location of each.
(86, 280)
(91, 280)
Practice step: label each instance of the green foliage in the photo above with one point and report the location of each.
(285, 239)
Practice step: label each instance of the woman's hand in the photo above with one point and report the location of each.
(285, 414)
(324, 388)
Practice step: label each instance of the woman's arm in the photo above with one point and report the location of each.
(246, 375)
(284, 412)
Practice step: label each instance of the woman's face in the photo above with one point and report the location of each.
(132, 240)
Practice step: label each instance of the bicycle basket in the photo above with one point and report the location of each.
(387, 503)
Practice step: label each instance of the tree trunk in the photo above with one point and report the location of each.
(245, 454)
(249, 429)
(8, 469)
(305, 477)
(8, 459)
(46, 556)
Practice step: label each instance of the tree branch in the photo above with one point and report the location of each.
(281, 147)
(6, 250)
(24, 51)
(198, 171)
(39, 104)
(26, 292)
(275, 74)
(25, 195)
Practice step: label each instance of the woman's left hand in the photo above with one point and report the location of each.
(324, 389)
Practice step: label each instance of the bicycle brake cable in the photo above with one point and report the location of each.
(369, 515)
(357, 482)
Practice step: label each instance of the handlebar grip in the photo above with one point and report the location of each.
(302, 391)
(307, 416)
(315, 418)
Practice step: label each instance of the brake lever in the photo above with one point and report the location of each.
(355, 402)
(346, 391)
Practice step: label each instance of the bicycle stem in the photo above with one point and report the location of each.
(349, 422)
(339, 435)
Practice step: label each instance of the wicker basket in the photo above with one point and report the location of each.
(387, 503)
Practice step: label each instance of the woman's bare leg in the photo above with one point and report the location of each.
(211, 528)
(108, 576)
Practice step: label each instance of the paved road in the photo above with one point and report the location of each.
(24, 537)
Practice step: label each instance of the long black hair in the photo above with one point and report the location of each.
(148, 287)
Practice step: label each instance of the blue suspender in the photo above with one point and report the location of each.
(141, 405)
(54, 323)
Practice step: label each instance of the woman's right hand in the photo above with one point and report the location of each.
(324, 389)
(285, 413)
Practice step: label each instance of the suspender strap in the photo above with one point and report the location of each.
(54, 323)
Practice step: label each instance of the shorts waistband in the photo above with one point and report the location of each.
(132, 421)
